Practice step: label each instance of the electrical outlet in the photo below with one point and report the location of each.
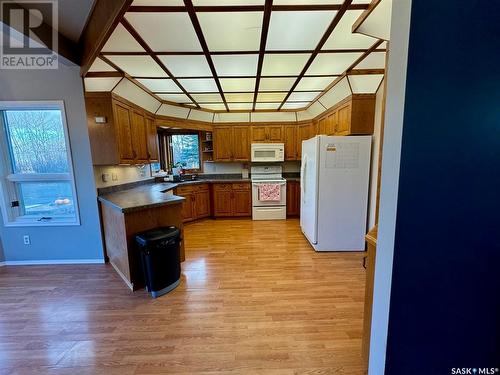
(105, 177)
(114, 176)
(26, 240)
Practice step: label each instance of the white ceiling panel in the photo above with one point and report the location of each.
(173, 111)
(232, 117)
(267, 105)
(100, 84)
(239, 97)
(295, 105)
(201, 115)
(284, 64)
(101, 66)
(314, 83)
(375, 60)
(302, 96)
(276, 84)
(297, 30)
(199, 85)
(207, 98)
(142, 66)
(237, 84)
(160, 85)
(342, 36)
(336, 94)
(332, 63)
(365, 84)
(178, 98)
(231, 31)
(316, 108)
(235, 65)
(165, 32)
(271, 96)
(273, 116)
(121, 41)
(240, 106)
(130, 91)
(214, 106)
(187, 66)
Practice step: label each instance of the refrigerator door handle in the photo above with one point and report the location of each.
(302, 178)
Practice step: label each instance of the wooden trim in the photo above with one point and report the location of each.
(199, 33)
(148, 49)
(349, 70)
(338, 16)
(244, 8)
(263, 40)
(104, 74)
(100, 25)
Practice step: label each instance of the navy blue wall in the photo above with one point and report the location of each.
(445, 299)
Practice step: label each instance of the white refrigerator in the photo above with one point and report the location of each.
(334, 183)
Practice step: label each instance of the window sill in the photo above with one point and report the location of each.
(36, 223)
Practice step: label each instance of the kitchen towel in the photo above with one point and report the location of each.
(270, 192)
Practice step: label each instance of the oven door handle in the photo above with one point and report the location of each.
(264, 183)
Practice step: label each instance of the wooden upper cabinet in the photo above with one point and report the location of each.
(223, 143)
(241, 143)
(267, 134)
(152, 136)
(290, 132)
(275, 133)
(259, 134)
(124, 132)
(139, 137)
(343, 125)
(303, 132)
(126, 136)
(331, 124)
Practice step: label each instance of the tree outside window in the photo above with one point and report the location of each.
(186, 150)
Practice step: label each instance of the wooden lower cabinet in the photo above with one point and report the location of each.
(369, 264)
(197, 203)
(232, 200)
(293, 198)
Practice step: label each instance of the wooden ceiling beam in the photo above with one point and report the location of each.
(104, 74)
(244, 8)
(266, 19)
(105, 15)
(204, 46)
(338, 16)
(222, 53)
(148, 49)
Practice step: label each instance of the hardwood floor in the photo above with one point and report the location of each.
(254, 299)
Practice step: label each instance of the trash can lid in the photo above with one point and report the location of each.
(158, 234)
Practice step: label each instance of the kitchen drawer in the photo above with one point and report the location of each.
(200, 187)
(242, 186)
(223, 186)
(180, 190)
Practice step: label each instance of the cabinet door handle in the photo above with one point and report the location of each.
(364, 262)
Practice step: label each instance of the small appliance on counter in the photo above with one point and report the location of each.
(268, 193)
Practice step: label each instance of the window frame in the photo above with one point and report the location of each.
(8, 178)
(167, 153)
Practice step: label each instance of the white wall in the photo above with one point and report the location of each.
(393, 129)
(66, 243)
(375, 156)
(121, 174)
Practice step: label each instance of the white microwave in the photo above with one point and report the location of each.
(268, 152)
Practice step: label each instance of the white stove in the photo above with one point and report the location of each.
(268, 193)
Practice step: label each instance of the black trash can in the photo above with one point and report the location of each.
(161, 259)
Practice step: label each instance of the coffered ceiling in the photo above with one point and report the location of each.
(239, 55)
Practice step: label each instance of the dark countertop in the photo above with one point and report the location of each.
(142, 197)
(155, 194)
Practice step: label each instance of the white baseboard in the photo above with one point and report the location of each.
(49, 262)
